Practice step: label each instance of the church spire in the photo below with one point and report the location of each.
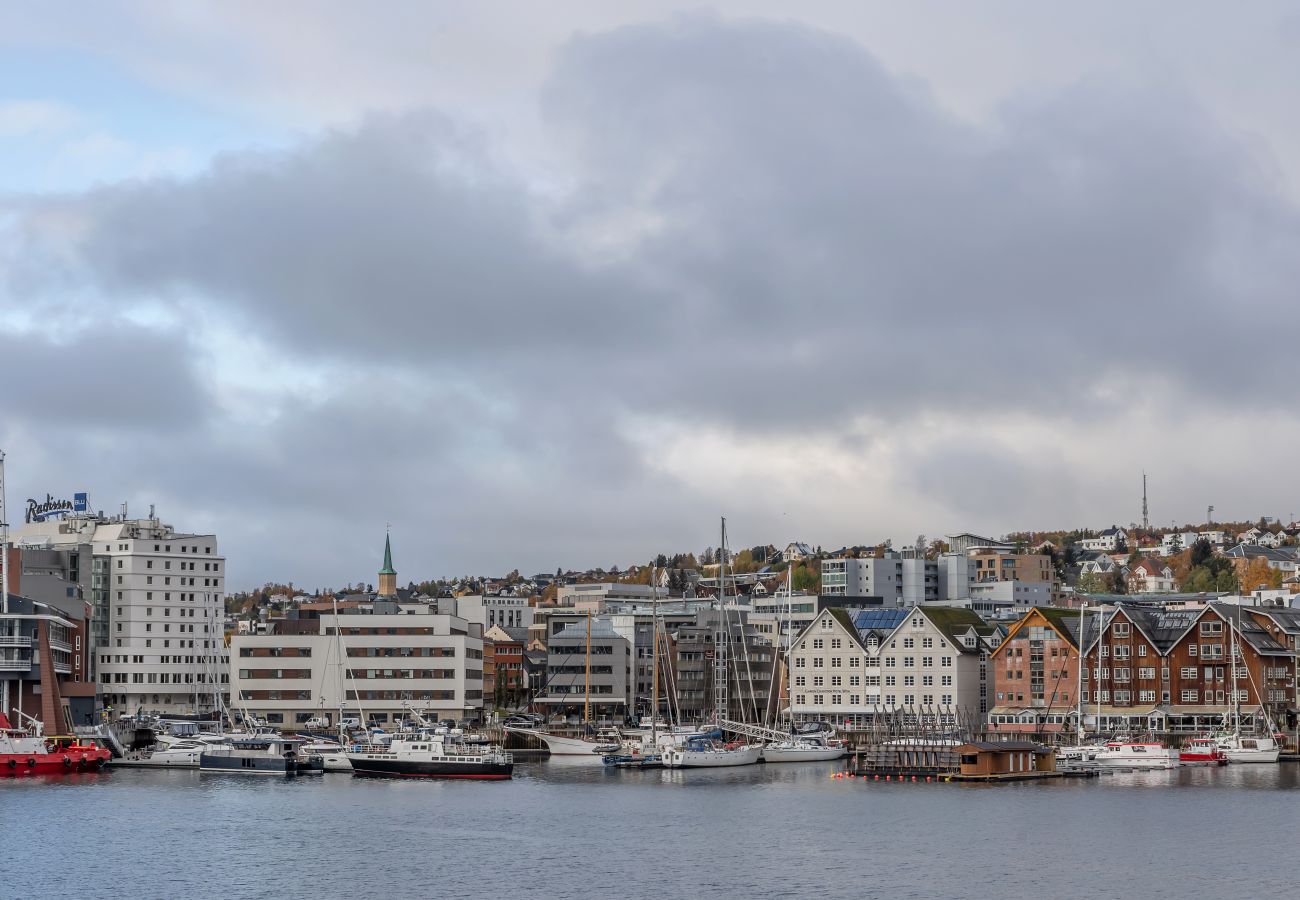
(388, 575)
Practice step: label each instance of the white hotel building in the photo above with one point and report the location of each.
(158, 597)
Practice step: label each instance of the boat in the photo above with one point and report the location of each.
(1245, 748)
(1135, 755)
(332, 754)
(174, 755)
(583, 747)
(261, 755)
(1202, 751)
(432, 752)
(27, 751)
(702, 752)
(802, 749)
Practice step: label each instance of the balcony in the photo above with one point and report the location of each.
(15, 665)
(15, 640)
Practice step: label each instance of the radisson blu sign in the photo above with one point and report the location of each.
(49, 508)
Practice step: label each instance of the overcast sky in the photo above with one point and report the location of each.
(561, 284)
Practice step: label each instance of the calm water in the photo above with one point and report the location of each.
(562, 831)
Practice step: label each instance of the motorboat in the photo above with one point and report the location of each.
(593, 748)
(1135, 755)
(261, 755)
(175, 754)
(1203, 751)
(432, 753)
(332, 754)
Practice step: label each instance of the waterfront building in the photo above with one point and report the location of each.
(1035, 674)
(751, 695)
(897, 579)
(503, 650)
(588, 672)
(924, 663)
(45, 659)
(157, 603)
(372, 658)
(1171, 671)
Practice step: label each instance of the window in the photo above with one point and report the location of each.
(1142, 649)
(1146, 696)
(927, 661)
(818, 661)
(799, 662)
(818, 681)
(908, 643)
(945, 661)
(1120, 629)
(909, 661)
(927, 642)
(1211, 628)
(889, 662)
(818, 643)
(836, 643)
(890, 681)
(909, 680)
(1190, 696)
(1191, 649)
(1146, 674)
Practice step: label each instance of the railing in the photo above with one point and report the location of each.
(56, 644)
(15, 665)
(15, 640)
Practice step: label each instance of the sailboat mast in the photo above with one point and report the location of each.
(586, 691)
(1236, 703)
(720, 635)
(654, 659)
(1083, 620)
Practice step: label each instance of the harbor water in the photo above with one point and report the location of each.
(560, 830)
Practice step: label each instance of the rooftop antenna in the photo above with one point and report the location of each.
(1146, 523)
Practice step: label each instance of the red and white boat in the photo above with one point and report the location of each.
(1202, 751)
(27, 751)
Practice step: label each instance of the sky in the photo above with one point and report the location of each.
(541, 285)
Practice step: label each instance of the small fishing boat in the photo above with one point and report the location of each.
(1202, 751)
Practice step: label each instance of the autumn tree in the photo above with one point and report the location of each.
(1258, 574)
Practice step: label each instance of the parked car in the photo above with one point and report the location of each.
(316, 722)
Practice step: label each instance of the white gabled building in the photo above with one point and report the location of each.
(935, 663)
(834, 666)
(852, 668)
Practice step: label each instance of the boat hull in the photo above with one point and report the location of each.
(14, 765)
(567, 746)
(407, 768)
(1253, 756)
(776, 754)
(231, 764)
(680, 758)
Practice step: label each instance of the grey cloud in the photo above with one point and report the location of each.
(802, 237)
(107, 377)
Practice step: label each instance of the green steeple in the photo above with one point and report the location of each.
(388, 558)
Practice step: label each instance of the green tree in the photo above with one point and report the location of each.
(1093, 583)
(1202, 552)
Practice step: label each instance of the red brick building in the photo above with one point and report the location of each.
(1035, 674)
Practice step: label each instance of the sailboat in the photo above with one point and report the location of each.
(698, 751)
(1245, 748)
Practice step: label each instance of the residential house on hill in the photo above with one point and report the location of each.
(1149, 577)
(1108, 541)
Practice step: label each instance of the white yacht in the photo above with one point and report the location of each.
(702, 752)
(802, 749)
(332, 754)
(1242, 748)
(1126, 755)
(176, 754)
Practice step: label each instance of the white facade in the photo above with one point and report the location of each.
(1017, 593)
(1107, 542)
(924, 665)
(415, 656)
(1176, 542)
(159, 599)
(593, 596)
